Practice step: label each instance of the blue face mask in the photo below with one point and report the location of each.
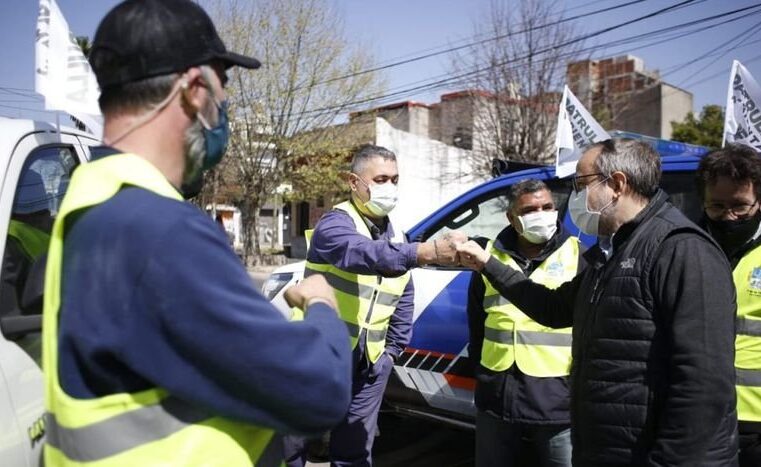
(216, 138)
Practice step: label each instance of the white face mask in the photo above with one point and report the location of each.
(585, 219)
(383, 198)
(538, 227)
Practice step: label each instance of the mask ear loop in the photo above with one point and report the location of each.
(218, 106)
(586, 200)
(153, 113)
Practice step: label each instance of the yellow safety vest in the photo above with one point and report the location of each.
(747, 278)
(512, 337)
(149, 427)
(365, 302)
(34, 242)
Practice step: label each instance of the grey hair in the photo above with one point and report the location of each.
(136, 96)
(143, 94)
(636, 159)
(528, 185)
(366, 152)
(195, 150)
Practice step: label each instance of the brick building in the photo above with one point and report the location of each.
(455, 120)
(622, 94)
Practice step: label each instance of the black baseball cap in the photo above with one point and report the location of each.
(140, 39)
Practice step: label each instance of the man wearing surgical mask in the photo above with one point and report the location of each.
(653, 316)
(522, 366)
(153, 326)
(729, 181)
(367, 262)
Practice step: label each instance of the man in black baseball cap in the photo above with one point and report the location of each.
(141, 39)
(158, 348)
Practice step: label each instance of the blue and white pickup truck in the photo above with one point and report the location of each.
(433, 378)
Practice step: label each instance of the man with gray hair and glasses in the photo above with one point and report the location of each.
(652, 377)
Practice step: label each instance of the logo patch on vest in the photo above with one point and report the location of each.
(755, 279)
(628, 263)
(555, 269)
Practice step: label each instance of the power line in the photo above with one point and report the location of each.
(617, 43)
(476, 71)
(25, 108)
(620, 43)
(729, 49)
(479, 70)
(640, 37)
(474, 43)
(20, 92)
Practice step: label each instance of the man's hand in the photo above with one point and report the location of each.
(455, 236)
(446, 248)
(442, 251)
(312, 289)
(472, 256)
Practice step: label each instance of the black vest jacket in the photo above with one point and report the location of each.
(619, 376)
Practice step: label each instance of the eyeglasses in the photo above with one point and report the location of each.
(738, 210)
(575, 181)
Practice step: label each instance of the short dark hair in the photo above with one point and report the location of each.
(636, 159)
(366, 152)
(528, 185)
(737, 162)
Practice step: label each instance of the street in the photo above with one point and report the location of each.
(412, 442)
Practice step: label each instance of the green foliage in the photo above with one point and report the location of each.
(309, 77)
(705, 131)
(84, 43)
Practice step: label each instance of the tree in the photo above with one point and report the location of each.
(516, 79)
(280, 113)
(706, 131)
(320, 171)
(84, 43)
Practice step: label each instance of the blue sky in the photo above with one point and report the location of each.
(403, 28)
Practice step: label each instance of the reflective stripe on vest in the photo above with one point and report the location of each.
(747, 278)
(365, 302)
(512, 337)
(149, 427)
(33, 241)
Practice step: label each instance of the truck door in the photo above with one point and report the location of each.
(32, 187)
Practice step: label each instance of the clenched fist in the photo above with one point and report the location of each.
(312, 289)
(472, 256)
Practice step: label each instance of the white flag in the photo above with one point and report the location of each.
(63, 75)
(576, 129)
(742, 122)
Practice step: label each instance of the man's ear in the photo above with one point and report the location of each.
(353, 181)
(193, 90)
(620, 183)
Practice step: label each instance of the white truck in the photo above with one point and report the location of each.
(36, 162)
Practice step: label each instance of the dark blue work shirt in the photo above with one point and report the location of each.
(336, 241)
(153, 296)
